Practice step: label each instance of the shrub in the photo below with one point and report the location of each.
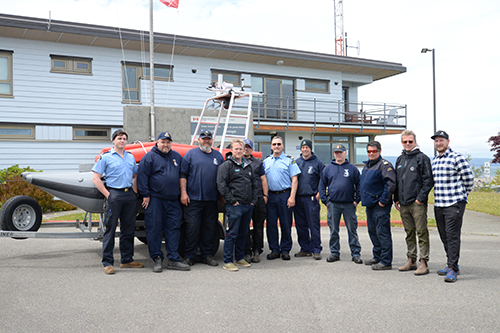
(11, 185)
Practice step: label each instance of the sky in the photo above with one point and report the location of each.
(463, 34)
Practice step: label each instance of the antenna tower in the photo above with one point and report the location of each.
(339, 27)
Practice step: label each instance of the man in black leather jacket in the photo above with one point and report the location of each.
(414, 182)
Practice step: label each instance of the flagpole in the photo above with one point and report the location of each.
(151, 72)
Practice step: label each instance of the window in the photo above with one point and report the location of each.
(278, 102)
(229, 77)
(360, 143)
(320, 86)
(17, 132)
(6, 89)
(324, 144)
(130, 83)
(91, 133)
(70, 65)
(162, 72)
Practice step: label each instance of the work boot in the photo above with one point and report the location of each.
(422, 268)
(410, 265)
(157, 268)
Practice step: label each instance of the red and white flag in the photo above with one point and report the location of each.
(170, 3)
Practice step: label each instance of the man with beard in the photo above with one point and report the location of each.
(414, 182)
(255, 239)
(120, 190)
(237, 184)
(200, 196)
(453, 181)
(158, 182)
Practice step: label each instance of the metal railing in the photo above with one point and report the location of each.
(320, 112)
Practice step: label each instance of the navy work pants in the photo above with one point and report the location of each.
(307, 223)
(163, 217)
(238, 220)
(277, 209)
(119, 205)
(255, 237)
(200, 218)
(379, 229)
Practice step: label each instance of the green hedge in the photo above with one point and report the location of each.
(11, 185)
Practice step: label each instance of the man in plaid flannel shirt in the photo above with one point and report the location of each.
(453, 181)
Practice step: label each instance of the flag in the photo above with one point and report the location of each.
(170, 3)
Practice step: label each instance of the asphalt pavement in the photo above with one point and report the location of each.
(58, 285)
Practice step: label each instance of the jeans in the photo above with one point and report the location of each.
(449, 222)
(119, 205)
(163, 217)
(379, 229)
(335, 210)
(238, 220)
(307, 223)
(414, 218)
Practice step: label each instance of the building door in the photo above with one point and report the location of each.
(278, 101)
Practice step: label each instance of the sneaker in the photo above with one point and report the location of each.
(451, 276)
(371, 262)
(242, 263)
(444, 271)
(273, 255)
(332, 258)
(178, 266)
(109, 270)
(133, 264)
(210, 261)
(357, 260)
(381, 267)
(157, 266)
(230, 267)
(317, 256)
(302, 254)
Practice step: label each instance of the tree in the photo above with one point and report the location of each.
(494, 141)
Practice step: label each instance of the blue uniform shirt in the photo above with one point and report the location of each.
(200, 171)
(119, 171)
(279, 171)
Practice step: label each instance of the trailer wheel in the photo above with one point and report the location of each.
(21, 213)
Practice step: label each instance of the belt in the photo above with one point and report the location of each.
(121, 189)
(278, 192)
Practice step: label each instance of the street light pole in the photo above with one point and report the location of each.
(425, 50)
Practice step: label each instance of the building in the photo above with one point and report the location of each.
(64, 87)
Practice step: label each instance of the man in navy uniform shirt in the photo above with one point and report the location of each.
(158, 182)
(281, 172)
(307, 208)
(200, 196)
(120, 201)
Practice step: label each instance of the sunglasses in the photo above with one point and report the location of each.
(372, 151)
(406, 142)
(276, 144)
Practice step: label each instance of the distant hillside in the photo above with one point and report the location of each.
(474, 162)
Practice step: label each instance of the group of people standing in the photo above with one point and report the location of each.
(280, 188)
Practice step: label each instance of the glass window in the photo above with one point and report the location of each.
(323, 151)
(317, 86)
(228, 77)
(131, 86)
(162, 72)
(6, 74)
(91, 133)
(70, 65)
(17, 132)
(360, 153)
(362, 139)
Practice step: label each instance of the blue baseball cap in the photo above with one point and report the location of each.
(248, 142)
(165, 135)
(206, 134)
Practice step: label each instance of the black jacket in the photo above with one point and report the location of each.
(236, 182)
(414, 177)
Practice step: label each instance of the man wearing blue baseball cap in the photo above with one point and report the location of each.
(200, 196)
(158, 183)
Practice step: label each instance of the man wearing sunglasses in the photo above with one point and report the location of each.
(281, 173)
(378, 182)
(414, 182)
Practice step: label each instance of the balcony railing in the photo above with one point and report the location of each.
(324, 113)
